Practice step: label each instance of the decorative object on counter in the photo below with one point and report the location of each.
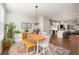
(36, 31)
(26, 30)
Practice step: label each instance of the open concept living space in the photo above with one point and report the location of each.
(39, 28)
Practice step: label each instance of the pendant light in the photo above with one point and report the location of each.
(36, 15)
(37, 29)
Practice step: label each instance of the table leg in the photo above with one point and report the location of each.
(37, 50)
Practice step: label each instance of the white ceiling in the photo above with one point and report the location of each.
(45, 9)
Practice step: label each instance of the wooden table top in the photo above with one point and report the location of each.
(37, 36)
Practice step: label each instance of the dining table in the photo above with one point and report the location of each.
(37, 38)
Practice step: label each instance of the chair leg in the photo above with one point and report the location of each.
(48, 50)
(43, 51)
(26, 50)
(31, 51)
(34, 49)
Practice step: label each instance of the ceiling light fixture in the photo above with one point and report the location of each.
(36, 15)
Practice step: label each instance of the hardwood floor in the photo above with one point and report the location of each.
(5, 51)
(72, 45)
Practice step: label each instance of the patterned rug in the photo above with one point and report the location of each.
(20, 49)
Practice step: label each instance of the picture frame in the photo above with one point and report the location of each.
(26, 25)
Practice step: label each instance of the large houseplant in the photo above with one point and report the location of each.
(9, 28)
(8, 33)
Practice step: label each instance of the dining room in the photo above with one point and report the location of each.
(40, 29)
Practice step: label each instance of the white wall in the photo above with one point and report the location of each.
(2, 18)
(17, 19)
(44, 24)
(65, 10)
(41, 25)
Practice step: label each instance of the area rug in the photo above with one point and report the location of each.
(55, 50)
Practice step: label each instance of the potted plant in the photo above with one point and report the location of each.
(8, 34)
(11, 28)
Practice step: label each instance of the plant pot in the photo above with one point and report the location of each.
(10, 33)
(7, 43)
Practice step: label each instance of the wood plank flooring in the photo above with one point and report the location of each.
(72, 45)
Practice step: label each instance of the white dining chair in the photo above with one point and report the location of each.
(18, 37)
(45, 45)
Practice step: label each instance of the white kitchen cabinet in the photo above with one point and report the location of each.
(60, 34)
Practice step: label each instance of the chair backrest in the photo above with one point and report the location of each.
(44, 33)
(47, 38)
(24, 35)
(18, 37)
